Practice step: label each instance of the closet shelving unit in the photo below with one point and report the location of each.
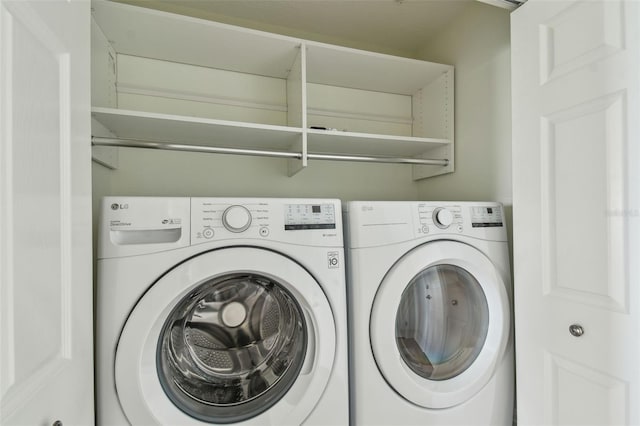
(167, 81)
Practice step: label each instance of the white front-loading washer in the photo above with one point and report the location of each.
(429, 310)
(221, 311)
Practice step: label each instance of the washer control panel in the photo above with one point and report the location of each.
(291, 220)
(213, 219)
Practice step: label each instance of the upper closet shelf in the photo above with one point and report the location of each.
(138, 31)
(142, 32)
(359, 69)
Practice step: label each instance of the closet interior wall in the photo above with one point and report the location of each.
(477, 43)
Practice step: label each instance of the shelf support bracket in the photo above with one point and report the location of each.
(295, 166)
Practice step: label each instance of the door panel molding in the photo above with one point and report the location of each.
(559, 54)
(46, 328)
(588, 135)
(594, 384)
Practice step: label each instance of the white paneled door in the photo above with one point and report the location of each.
(46, 315)
(576, 177)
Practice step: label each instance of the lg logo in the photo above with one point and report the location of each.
(116, 206)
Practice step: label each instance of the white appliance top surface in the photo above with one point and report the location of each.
(376, 223)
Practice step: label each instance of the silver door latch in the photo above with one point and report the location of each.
(576, 330)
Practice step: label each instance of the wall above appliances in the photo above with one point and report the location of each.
(397, 27)
(168, 81)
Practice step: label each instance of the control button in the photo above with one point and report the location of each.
(460, 228)
(442, 218)
(333, 260)
(425, 229)
(264, 231)
(207, 233)
(236, 218)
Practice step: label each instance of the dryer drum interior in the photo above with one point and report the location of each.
(441, 322)
(232, 348)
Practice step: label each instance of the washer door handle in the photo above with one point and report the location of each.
(311, 343)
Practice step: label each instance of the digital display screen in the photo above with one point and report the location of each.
(309, 216)
(486, 217)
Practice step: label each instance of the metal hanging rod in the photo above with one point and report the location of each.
(138, 143)
(369, 159)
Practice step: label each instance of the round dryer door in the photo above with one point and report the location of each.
(237, 335)
(440, 324)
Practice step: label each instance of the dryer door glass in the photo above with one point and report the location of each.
(441, 322)
(231, 348)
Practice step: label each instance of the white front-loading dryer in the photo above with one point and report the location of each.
(221, 311)
(429, 300)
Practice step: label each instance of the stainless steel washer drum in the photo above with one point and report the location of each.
(231, 348)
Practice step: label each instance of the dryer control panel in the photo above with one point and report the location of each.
(376, 223)
(481, 220)
(432, 217)
(486, 217)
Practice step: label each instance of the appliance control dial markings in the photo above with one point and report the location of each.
(213, 220)
(442, 217)
(236, 218)
(423, 218)
(439, 218)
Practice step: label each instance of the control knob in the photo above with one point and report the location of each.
(442, 218)
(236, 218)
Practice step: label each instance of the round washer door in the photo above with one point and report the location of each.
(440, 324)
(238, 335)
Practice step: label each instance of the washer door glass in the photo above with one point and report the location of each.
(192, 323)
(231, 348)
(441, 322)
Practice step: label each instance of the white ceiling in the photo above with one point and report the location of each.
(400, 27)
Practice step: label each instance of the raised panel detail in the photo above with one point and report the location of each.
(602, 399)
(36, 300)
(584, 33)
(582, 152)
